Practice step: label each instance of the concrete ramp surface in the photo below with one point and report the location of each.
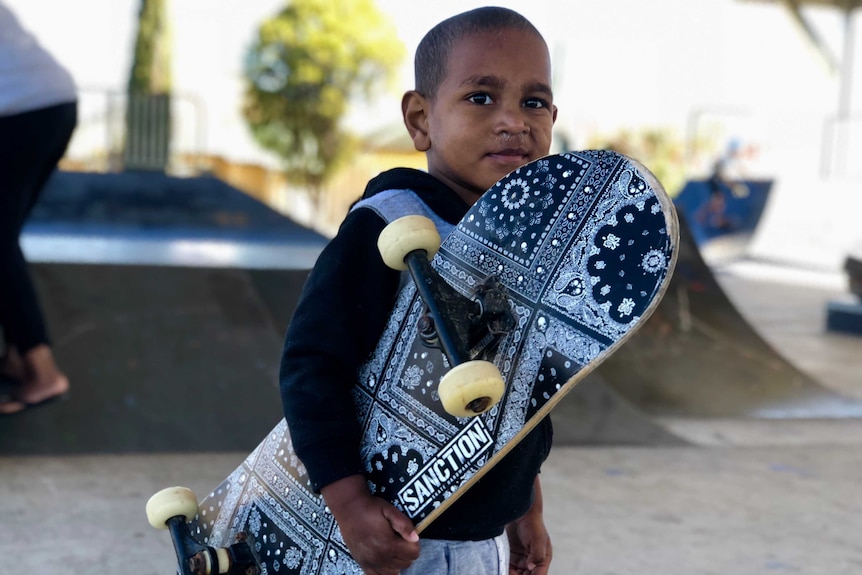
(697, 356)
(595, 414)
(161, 359)
(172, 359)
(167, 300)
(165, 356)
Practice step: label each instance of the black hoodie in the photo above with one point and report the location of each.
(340, 316)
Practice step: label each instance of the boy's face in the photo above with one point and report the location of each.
(492, 113)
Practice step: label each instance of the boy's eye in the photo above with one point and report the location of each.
(481, 99)
(535, 103)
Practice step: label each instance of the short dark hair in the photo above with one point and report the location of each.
(432, 54)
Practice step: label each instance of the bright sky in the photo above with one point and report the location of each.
(619, 63)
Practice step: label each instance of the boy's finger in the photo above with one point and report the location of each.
(537, 560)
(401, 524)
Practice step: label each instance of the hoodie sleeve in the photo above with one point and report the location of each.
(341, 314)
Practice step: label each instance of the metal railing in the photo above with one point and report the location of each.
(115, 132)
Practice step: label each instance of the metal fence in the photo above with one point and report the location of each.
(116, 132)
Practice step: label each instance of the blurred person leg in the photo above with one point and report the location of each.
(31, 146)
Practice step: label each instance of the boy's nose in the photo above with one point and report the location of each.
(512, 122)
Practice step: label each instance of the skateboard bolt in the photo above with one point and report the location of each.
(426, 328)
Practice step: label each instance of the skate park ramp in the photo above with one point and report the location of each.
(698, 357)
(161, 358)
(177, 348)
(594, 414)
(186, 359)
(166, 301)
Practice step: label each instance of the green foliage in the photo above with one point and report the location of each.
(151, 73)
(306, 65)
(659, 150)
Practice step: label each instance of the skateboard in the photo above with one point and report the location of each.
(550, 272)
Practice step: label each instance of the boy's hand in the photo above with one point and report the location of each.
(380, 538)
(530, 549)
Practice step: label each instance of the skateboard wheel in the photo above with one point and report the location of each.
(169, 503)
(471, 388)
(406, 235)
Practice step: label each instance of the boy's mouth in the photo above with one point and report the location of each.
(510, 155)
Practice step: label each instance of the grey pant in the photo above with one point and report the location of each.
(439, 557)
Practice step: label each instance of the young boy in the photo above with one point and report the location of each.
(482, 106)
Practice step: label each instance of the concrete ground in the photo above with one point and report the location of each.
(752, 498)
(632, 511)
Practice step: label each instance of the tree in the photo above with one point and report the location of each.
(307, 63)
(148, 101)
(151, 64)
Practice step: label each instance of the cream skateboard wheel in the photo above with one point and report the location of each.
(471, 388)
(406, 235)
(171, 502)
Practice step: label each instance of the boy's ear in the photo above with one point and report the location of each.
(414, 109)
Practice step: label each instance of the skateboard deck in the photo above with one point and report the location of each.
(583, 244)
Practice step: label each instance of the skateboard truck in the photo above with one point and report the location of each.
(451, 322)
(472, 324)
(170, 509)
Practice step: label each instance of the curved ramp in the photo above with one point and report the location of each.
(161, 359)
(166, 301)
(594, 414)
(698, 357)
(173, 359)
